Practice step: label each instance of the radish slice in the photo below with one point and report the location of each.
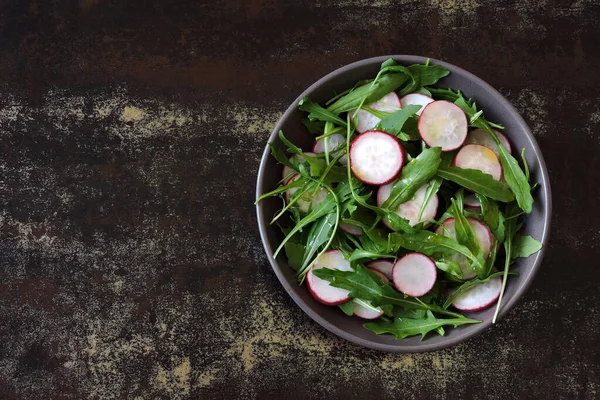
(484, 238)
(480, 296)
(320, 288)
(307, 202)
(287, 171)
(414, 274)
(410, 209)
(472, 201)
(417, 99)
(476, 156)
(335, 141)
(479, 136)
(443, 124)
(366, 313)
(376, 157)
(350, 229)
(381, 275)
(383, 266)
(366, 121)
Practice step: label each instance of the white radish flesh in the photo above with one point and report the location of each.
(287, 171)
(480, 136)
(414, 274)
(350, 229)
(321, 290)
(383, 266)
(367, 313)
(480, 296)
(443, 124)
(410, 209)
(417, 99)
(308, 201)
(476, 156)
(376, 157)
(365, 121)
(333, 142)
(483, 236)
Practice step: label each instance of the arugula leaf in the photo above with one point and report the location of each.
(464, 288)
(319, 113)
(368, 93)
(426, 75)
(395, 122)
(524, 246)
(314, 127)
(491, 260)
(418, 171)
(404, 327)
(432, 188)
(363, 286)
(492, 216)
(319, 234)
(430, 244)
(466, 237)
(511, 226)
(450, 267)
(398, 223)
(347, 308)
(477, 181)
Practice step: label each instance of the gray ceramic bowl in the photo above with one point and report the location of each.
(497, 109)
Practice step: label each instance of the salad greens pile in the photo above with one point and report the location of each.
(312, 228)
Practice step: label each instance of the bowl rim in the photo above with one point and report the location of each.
(475, 329)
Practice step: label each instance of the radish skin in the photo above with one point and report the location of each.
(365, 121)
(417, 99)
(383, 266)
(476, 156)
(480, 136)
(480, 296)
(443, 124)
(410, 209)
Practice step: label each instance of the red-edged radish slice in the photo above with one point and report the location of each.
(307, 202)
(480, 296)
(380, 274)
(365, 313)
(417, 99)
(321, 290)
(472, 201)
(365, 121)
(335, 141)
(350, 229)
(414, 274)
(287, 171)
(476, 156)
(383, 266)
(376, 157)
(410, 209)
(443, 124)
(480, 136)
(484, 238)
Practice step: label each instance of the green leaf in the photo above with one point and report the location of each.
(319, 113)
(511, 226)
(395, 122)
(405, 327)
(418, 171)
(432, 188)
(314, 127)
(347, 308)
(363, 286)
(294, 253)
(319, 234)
(450, 267)
(465, 235)
(492, 216)
(514, 176)
(426, 75)
(524, 246)
(430, 244)
(477, 181)
(369, 93)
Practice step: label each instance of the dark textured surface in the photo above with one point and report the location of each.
(130, 134)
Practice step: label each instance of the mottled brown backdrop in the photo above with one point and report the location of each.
(130, 136)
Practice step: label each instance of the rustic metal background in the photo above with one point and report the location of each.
(130, 136)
